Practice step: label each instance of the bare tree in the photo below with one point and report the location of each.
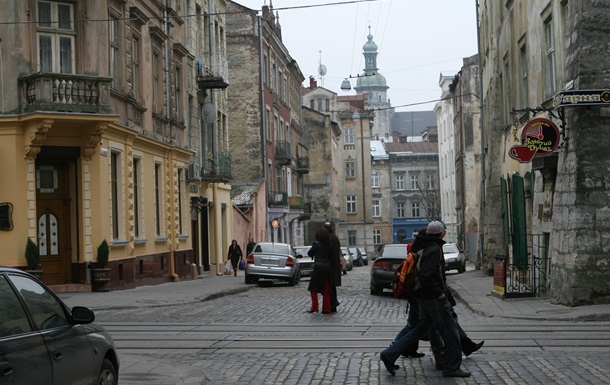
(431, 198)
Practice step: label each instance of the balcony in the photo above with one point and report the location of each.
(212, 71)
(302, 165)
(296, 202)
(277, 199)
(45, 91)
(282, 153)
(217, 169)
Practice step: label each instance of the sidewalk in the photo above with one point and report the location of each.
(472, 288)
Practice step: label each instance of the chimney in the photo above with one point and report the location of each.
(312, 82)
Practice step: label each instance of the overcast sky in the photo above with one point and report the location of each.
(417, 40)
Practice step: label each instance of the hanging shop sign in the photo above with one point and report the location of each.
(539, 138)
(581, 98)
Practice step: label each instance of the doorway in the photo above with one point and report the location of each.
(53, 220)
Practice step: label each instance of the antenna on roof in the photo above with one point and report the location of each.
(321, 70)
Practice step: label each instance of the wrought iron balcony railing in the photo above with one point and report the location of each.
(282, 153)
(296, 202)
(217, 169)
(212, 71)
(277, 199)
(302, 165)
(44, 91)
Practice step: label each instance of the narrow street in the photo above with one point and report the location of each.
(265, 336)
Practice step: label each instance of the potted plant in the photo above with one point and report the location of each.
(100, 274)
(32, 257)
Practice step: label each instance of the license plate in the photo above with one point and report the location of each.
(269, 261)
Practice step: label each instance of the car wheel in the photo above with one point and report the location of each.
(374, 290)
(108, 374)
(250, 280)
(462, 267)
(293, 280)
(345, 271)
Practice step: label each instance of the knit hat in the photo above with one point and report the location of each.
(435, 227)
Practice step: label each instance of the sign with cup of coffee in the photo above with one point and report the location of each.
(540, 137)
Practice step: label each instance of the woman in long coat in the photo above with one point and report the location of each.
(320, 281)
(234, 255)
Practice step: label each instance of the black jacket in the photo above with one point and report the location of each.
(431, 268)
(318, 251)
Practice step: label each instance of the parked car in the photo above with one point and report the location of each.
(272, 260)
(41, 338)
(356, 255)
(349, 260)
(454, 258)
(304, 260)
(365, 257)
(382, 271)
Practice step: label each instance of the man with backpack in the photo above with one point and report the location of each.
(434, 307)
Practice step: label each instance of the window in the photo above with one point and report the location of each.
(327, 104)
(115, 192)
(156, 67)
(400, 181)
(351, 237)
(135, 67)
(137, 196)
(349, 136)
(414, 182)
(524, 86)
(376, 207)
(274, 77)
(158, 198)
(266, 69)
(319, 104)
(350, 204)
(375, 178)
(268, 124)
(276, 125)
(13, 319)
(430, 182)
(350, 169)
(312, 104)
(415, 210)
(376, 236)
(549, 66)
(400, 210)
(178, 92)
(46, 311)
(180, 205)
(113, 32)
(55, 32)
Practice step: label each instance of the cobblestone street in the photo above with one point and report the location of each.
(265, 336)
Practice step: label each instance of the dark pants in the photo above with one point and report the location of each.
(436, 312)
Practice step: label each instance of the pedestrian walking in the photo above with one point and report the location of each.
(250, 246)
(234, 255)
(434, 308)
(335, 264)
(320, 282)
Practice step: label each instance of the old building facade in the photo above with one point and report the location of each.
(544, 105)
(265, 116)
(99, 122)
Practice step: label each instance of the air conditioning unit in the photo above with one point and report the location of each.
(193, 172)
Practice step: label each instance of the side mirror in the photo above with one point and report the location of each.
(82, 315)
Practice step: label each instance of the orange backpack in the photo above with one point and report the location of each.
(406, 276)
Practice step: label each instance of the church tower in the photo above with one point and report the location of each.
(374, 84)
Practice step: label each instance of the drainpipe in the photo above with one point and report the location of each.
(482, 132)
(263, 122)
(172, 258)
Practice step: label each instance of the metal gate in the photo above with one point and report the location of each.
(529, 278)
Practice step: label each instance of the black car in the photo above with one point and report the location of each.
(382, 271)
(41, 338)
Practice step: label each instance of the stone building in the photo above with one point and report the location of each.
(265, 116)
(464, 89)
(98, 124)
(444, 110)
(545, 94)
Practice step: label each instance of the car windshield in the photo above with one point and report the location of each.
(395, 251)
(273, 248)
(450, 248)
